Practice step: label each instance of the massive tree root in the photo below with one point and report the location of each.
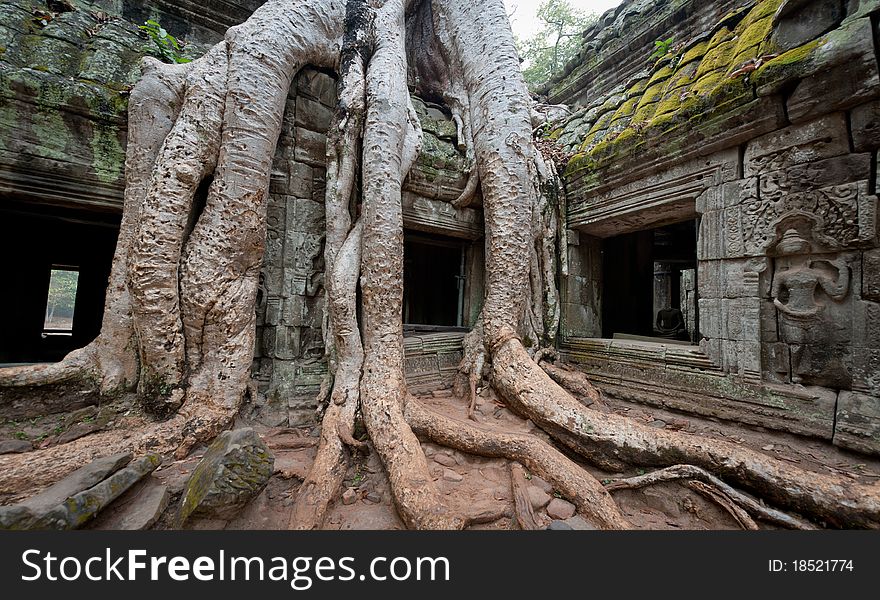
(179, 317)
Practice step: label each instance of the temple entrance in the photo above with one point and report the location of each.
(650, 284)
(55, 277)
(434, 279)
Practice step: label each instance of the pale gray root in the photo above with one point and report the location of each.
(723, 500)
(604, 438)
(187, 157)
(457, 99)
(109, 363)
(573, 381)
(471, 367)
(222, 256)
(585, 491)
(548, 243)
(504, 151)
(383, 385)
(690, 472)
(542, 308)
(525, 514)
(322, 398)
(328, 470)
(220, 264)
(342, 258)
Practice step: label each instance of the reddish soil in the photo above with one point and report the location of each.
(485, 483)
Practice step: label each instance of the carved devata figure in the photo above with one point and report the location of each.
(796, 285)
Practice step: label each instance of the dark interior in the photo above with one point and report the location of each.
(35, 241)
(431, 279)
(628, 275)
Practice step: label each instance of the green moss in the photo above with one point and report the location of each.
(554, 135)
(626, 109)
(108, 155)
(751, 42)
(719, 58)
(763, 10)
(610, 105)
(661, 75)
(722, 35)
(601, 123)
(625, 137)
(579, 162)
(707, 83)
(645, 111)
(674, 102)
(637, 88)
(682, 78)
(662, 121)
(51, 130)
(787, 65)
(695, 52)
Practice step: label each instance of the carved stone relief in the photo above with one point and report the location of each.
(811, 295)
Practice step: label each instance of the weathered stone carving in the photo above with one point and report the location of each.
(804, 286)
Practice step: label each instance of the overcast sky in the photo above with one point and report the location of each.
(524, 21)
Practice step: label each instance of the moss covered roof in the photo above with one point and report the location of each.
(713, 73)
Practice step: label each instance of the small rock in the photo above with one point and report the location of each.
(452, 476)
(15, 446)
(233, 471)
(538, 497)
(349, 496)
(500, 493)
(557, 525)
(659, 424)
(541, 483)
(75, 432)
(768, 447)
(578, 523)
(560, 509)
(373, 498)
(445, 460)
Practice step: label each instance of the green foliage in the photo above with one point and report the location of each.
(661, 48)
(62, 295)
(168, 47)
(558, 41)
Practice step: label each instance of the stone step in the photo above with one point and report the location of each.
(138, 509)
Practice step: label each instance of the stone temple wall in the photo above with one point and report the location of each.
(289, 358)
(63, 92)
(63, 117)
(764, 126)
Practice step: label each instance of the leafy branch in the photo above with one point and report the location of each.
(168, 46)
(661, 48)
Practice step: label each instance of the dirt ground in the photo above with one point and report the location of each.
(472, 483)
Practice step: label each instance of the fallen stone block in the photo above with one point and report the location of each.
(233, 471)
(25, 514)
(81, 508)
(138, 509)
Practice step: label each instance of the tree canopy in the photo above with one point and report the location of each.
(555, 43)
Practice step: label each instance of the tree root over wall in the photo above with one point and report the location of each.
(180, 311)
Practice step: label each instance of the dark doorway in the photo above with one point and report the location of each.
(649, 283)
(433, 281)
(56, 266)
